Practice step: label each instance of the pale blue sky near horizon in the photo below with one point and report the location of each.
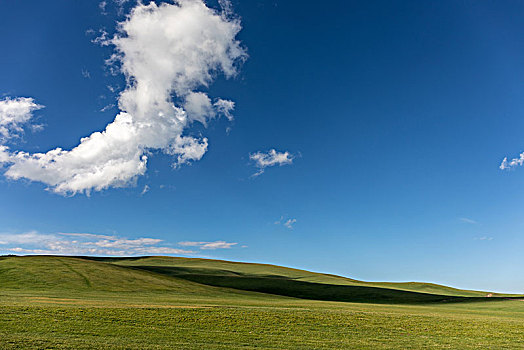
(397, 116)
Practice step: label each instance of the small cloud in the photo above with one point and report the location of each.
(108, 107)
(289, 223)
(36, 127)
(484, 238)
(199, 108)
(113, 88)
(15, 113)
(505, 165)
(145, 190)
(101, 39)
(468, 221)
(102, 7)
(225, 107)
(271, 158)
(208, 245)
(167, 187)
(86, 74)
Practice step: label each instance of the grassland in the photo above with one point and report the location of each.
(176, 303)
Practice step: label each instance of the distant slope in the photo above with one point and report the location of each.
(194, 266)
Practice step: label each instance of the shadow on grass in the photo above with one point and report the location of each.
(282, 285)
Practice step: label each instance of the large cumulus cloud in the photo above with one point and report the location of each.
(168, 54)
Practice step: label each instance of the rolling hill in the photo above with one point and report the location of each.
(187, 267)
(211, 278)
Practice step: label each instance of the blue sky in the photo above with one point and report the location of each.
(389, 121)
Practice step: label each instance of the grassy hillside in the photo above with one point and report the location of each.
(191, 268)
(61, 277)
(212, 278)
(174, 303)
(67, 273)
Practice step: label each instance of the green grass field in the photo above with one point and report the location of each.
(52, 302)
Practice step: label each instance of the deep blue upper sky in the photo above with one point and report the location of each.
(398, 114)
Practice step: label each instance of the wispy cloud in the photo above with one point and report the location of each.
(484, 238)
(468, 221)
(107, 107)
(86, 74)
(208, 245)
(84, 244)
(289, 222)
(87, 235)
(145, 190)
(102, 6)
(262, 160)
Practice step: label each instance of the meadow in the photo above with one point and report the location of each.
(55, 302)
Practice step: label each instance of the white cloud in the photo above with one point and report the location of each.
(513, 163)
(271, 158)
(29, 251)
(289, 223)
(83, 244)
(145, 190)
(166, 52)
(107, 107)
(208, 245)
(187, 148)
(286, 222)
(112, 88)
(126, 243)
(14, 114)
(225, 107)
(198, 107)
